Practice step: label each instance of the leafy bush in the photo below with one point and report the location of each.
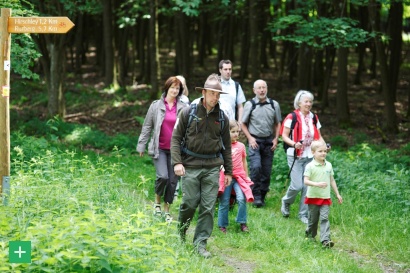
(81, 216)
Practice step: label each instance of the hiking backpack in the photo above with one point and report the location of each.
(261, 104)
(192, 115)
(292, 126)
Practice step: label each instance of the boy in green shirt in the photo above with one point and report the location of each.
(319, 178)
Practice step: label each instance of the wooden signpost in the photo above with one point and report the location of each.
(8, 25)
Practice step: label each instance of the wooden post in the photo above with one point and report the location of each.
(5, 45)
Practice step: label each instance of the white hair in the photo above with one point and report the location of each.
(299, 95)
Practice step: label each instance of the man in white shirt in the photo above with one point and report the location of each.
(234, 98)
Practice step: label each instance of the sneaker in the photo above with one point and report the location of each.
(304, 219)
(244, 228)
(157, 210)
(223, 229)
(168, 217)
(328, 244)
(204, 253)
(285, 209)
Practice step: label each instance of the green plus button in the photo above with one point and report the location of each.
(20, 252)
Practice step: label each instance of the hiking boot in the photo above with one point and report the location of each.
(223, 229)
(257, 202)
(328, 244)
(204, 253)
(285, 209)
(244, 228)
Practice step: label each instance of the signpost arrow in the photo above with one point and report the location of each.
(39, 24)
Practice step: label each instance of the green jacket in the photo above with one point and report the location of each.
(203, 137)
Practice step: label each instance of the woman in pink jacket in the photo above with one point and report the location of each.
(240, 183)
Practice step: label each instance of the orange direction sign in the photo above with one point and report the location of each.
(39, 24)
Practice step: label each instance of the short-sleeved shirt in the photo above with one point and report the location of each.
(262, 119)
(231, 98)
(318, 172)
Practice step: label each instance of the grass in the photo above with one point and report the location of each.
(89, 212)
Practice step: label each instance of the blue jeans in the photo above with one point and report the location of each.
(224, 205)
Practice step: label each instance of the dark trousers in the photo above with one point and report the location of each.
(260, 165)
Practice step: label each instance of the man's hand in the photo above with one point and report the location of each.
(179, 169)
(228, 180)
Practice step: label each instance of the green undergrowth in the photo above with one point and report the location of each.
(92, 212)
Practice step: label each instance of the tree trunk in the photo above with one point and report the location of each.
(304, 67)
(141, 49)
(389, 108)
(245, 42)
(342, 104)
(183, 52)
(53, 62)
(396, 40)
(155, 73)
(108, 41)
(254, 39)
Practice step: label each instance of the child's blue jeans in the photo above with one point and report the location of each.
(224, 205)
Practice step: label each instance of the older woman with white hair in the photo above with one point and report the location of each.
(298, 131)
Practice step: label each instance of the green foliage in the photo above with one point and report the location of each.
(23, 51)
(339, 142)
(81, 216)
(71, 134)
(319, 32)
(88, 213)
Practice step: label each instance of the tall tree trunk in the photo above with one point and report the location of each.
(201, 39)
(304, 67)
(141, 49)
(78, 42)
(183, 52)
(245, 42)
(110, 66)
(342, 103)
(390, 110)
(395, 44)
(254, 39)
(155, 72)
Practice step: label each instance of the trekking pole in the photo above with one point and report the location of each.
(294, 159)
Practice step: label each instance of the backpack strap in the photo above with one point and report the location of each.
(236, 98)
(261, 104)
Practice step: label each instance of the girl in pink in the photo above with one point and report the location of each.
(241, 183)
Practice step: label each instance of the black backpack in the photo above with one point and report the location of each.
(292, 126)
(192, 115)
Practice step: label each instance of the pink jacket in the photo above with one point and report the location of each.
(244, 182)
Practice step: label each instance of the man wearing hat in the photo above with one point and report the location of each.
(206, 146)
